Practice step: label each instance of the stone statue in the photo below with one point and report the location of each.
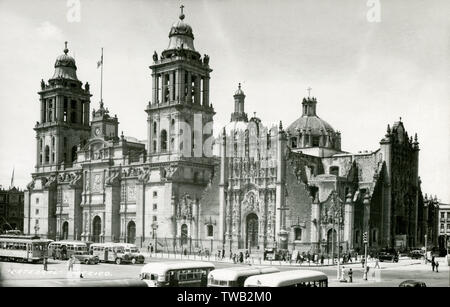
(86, 86)
(155, 56)
(42, 84)
(206, 59)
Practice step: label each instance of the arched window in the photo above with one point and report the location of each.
(298, 234)
(154, 128)
(209, 230)
(41, 144)
(47, 154)
(154, 146)
(53, 142)
(374, 235)
(74, 153)
(163, 140)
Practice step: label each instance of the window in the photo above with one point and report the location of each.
(37, 200)
(334, 170)
(448, 226)
(155, 218)
(209, 230)
(155, 206)
(315, 141)
(298, 234)
(154, 128)
(123, 194)
(37, 212)
(155, 194)
(47, 154)
(163, 140)
(294, 142)
(442, 215)
(37, 222)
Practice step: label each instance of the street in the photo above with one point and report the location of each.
(389, 275)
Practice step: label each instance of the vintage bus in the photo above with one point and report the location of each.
(65, 249)
(23, 248)
(294, 278)
(236, 276)
(177, 274)
(110, 252)
(133, 252)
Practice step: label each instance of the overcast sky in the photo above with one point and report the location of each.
(365, 74)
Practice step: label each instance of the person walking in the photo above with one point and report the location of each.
(45, 263)
(362, 262)
(377, 264)
(433, 264)
(350, 275)
(437, 266)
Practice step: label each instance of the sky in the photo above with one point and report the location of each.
(368, 62)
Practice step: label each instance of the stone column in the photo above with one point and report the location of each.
(171, 86)
(155, 88)
(42, 110)
(348, 221)
(195, 212)
(222, 205)
(206, 91)
(197, 89)
(315, 221)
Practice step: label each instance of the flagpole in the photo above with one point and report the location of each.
(101, 79)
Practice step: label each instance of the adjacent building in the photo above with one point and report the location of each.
(11, 209)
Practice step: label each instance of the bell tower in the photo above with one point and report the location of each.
(64, 116)
(180, 105)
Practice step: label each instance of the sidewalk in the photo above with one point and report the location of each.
(253, 261)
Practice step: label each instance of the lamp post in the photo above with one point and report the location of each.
(337, 219)
(425, 249)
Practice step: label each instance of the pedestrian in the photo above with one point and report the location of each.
(148, 248)
(433, 264)
(437, 266)
(54, 254)
(350, 257)
(45, 263)
(70, 265)
(322, 258)
(223, 253)
(377, 264)
(342, 273)
(362, 261)
(241, 257)
(350, 275)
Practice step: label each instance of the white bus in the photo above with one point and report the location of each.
(64, 249)
(295, 278)
(236, 276)
(177, 274)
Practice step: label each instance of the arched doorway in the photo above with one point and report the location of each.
(331, 240)
(65, 231)
(96, 229)
(251, 239)
(184, 234)
(131, 232)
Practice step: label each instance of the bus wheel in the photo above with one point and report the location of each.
(133, 261)
(118, 261)
(86, 261)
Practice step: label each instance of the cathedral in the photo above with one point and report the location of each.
(279, 187)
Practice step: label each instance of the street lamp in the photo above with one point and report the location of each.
(336, 211)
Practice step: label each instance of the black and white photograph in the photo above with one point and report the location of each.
(226, 144)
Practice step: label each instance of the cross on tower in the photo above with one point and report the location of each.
(309, 91)
(182, 14)
(65, 48)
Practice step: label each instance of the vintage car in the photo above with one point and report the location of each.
(86, 258)
(416, 254)
(388, 256)
(412, 283)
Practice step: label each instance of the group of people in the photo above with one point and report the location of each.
(240, 257)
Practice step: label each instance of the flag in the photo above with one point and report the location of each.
(12, 178)
(100, 63)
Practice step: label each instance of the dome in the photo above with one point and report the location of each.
(313, 123)
(65, 66)
(181, 36)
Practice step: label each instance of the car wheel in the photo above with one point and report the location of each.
(86, 261)
(118, 261)
(133, 261)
